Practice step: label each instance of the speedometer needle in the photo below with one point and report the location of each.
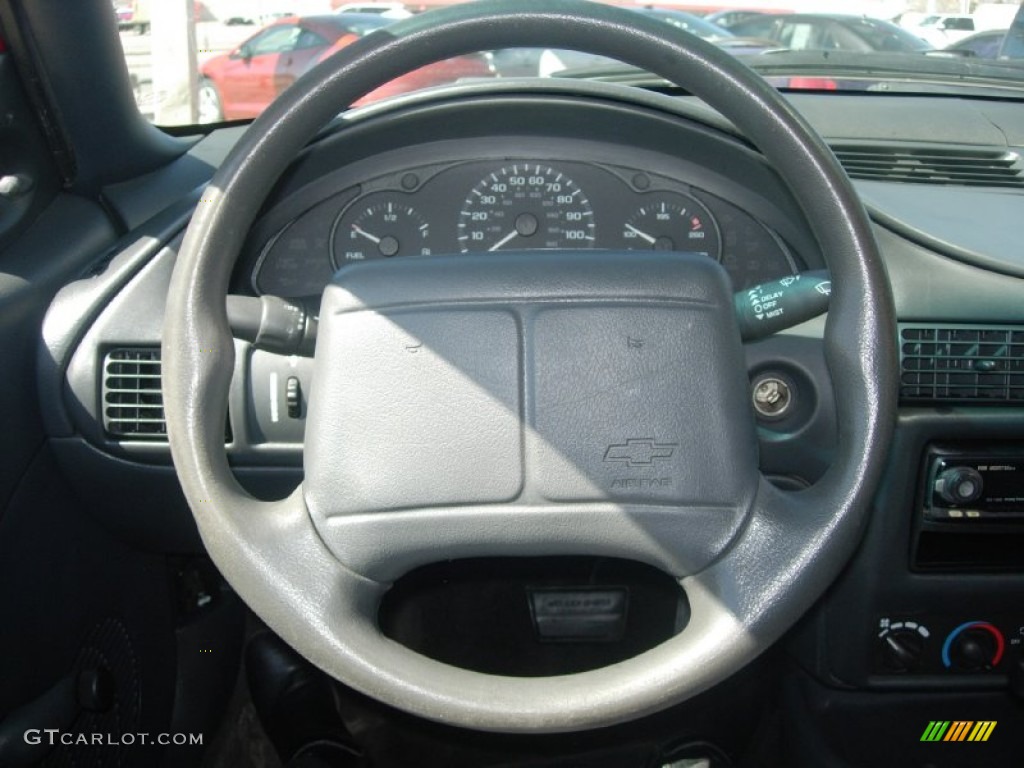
(642, 235)
(364, 233)
(503, 240)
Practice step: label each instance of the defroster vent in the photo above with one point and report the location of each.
(956, 166)
(133, 405)
(961, 363)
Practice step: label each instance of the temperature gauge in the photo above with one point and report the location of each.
(668, 221)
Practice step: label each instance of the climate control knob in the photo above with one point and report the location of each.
(902, 649)
(959, 485)
(975, 646)
(902, 645)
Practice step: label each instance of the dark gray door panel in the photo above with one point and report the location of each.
(69, 234)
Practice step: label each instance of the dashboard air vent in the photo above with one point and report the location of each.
(133, 405)
(961, 363)
(959, 166)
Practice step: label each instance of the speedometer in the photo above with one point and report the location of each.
(525, 205)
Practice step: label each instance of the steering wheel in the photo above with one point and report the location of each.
(455, 411)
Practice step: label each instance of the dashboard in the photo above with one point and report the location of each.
(484, 169)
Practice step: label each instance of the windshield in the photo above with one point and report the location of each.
(358, 24)
(883, 36)
(689, 22)
(225, 60)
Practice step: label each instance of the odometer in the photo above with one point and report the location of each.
(525, 205)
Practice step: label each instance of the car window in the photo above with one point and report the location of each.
(693, 24)
(364, 24)
(218, 89)
(275, 40)
(309, 39)
(1013, 44)
(755, 28)
(883, 36)
(985, 46)
(800, 36)
(840, 38)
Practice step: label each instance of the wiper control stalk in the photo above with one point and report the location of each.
(771, 307)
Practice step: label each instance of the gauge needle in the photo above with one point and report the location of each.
(503, 240)
(642, 235)
(367, 235)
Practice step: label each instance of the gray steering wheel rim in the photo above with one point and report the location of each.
(793, 545)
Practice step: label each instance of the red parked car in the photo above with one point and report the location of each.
(241, 84)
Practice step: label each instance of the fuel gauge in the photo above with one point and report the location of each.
(379, 226)
(668, 221)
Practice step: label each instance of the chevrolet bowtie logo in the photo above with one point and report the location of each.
(640, 452)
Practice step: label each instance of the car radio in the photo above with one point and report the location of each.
(974, 487)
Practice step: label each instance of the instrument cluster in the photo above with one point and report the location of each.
(515, 204)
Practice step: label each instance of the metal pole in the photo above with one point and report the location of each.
(175, 73)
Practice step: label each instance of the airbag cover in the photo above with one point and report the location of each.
(528, 378)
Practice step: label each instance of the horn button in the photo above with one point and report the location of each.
(501, 398)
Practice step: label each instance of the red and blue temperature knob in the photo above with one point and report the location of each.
(974, 646)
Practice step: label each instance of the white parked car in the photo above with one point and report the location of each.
(945, 29)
